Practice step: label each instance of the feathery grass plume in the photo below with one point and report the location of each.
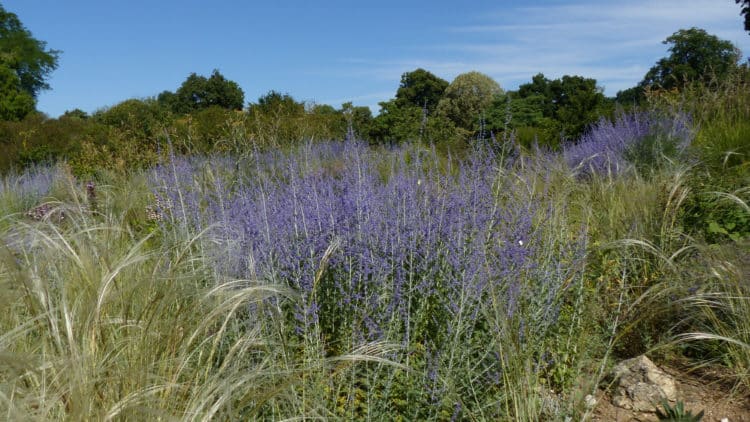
(718, 308)
(103, 325)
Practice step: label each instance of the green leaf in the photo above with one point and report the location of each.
(714, 227)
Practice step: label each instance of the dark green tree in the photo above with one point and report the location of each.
(224, 93)
(170, 101)
(524, 118)
(745, 12)
(199, 92)
(630, 96)
(578, 103)
(539, 87)
(695, 56)
(358, 119)
(28, 57)
(25, 64)
(15, 103)
(420, 88)
(277, 103)
(395, 123)
(76, 113)
(572, 102)
(138, 119)
(278, 119)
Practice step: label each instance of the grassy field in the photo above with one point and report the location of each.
(336, 280)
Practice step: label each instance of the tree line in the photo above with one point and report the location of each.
(209, 113)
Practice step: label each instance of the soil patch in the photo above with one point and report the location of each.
(702, 389)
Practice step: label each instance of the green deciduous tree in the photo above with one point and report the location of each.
(630, 96)
(25, 55)
(420, 88)
(396, 123)
(570, 104)
(358, 119)
(278, 119)
(76, 113)
(578, 102)
(524, 117)
(140, 120)
(467, 98)
(15, 103)
(695, 56)
(199, 92)
(278, 104)
(25, 64)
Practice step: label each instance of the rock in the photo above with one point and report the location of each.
(590, 401)
(641, 386)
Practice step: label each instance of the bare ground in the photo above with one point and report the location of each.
(701, 389)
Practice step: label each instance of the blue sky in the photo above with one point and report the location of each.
(330, 52)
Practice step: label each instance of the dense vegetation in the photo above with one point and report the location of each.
(468, 253)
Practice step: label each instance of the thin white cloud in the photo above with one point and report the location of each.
(613, 42)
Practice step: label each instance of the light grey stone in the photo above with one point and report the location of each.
(641, 386)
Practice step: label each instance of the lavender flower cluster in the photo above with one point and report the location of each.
(35, 182)
(381, 244)
(607, 146)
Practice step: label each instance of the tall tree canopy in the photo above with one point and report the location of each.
(199, 92)
(420, 88)
(277, 103)
(25, 64)
(15, 103)
(25, 55)
(467, 98)
(573, 102)
(696, 56)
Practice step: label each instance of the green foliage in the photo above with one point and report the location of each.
(467, 99)
(420, 88)
(524, 117)
(24, 66)
(578, 103)
(677, 413)
(138, 119)
(546, 111)
(136, 128)
(397, 123)
(358, 119)
(37, 139)
(695, 56)
(652, 153)
(721, 154)
(714, 214)
(573, 101)
(199, 92)
(278, 104)
(276, 119)
(631, 96)
(26, 56)
(200, 131)
(15, 103)
(75, 114)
